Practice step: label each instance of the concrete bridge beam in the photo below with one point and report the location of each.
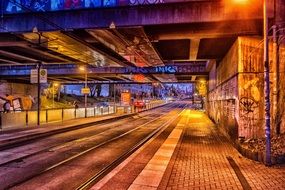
(168, 13)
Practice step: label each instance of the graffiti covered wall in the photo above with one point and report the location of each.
(237, 102)
(222, 97)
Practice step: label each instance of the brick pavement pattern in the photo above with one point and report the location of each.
(201, 162)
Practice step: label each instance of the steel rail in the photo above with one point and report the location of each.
(67, 142)
(95, 178)
(86, 151)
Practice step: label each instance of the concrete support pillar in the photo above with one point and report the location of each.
(194, 47)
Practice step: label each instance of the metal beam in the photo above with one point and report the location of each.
(72, 70)
(8, 61)
(194, 48)
(17, 56)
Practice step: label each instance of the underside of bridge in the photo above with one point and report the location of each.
(162, 41)
(182, 33)
(119, 47)
(136, 43)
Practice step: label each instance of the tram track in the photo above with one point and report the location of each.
(90, 149)
(22, 140)
(95, 178)
(19, 159)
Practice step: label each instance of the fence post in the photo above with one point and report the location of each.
(62, 114)
(46, 116)
(27, 118)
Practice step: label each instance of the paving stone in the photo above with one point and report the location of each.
(203, 155)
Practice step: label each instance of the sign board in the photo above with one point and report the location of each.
(125, 98)
(85, 90)
(17, 104)
(34, 76)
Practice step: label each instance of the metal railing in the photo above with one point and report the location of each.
(20, 119)
(16, 119)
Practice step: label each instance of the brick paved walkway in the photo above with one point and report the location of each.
(201, 162)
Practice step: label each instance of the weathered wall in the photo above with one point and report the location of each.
(17, 89)
(223, 92)
(237, 101)
(24, 91)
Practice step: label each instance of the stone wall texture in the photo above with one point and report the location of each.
(236, 104)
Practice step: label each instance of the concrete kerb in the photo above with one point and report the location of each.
(259, 156)
(5, 144)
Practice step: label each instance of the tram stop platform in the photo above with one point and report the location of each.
(194, 156)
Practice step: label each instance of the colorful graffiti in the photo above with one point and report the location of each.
(20, 6)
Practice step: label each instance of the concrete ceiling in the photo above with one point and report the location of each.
(131, 46)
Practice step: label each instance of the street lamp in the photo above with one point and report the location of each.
(266, 87)
(82, 68)
(39, 64)
(55, 84)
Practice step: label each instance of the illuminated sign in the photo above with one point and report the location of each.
(125, 98)
(85, 90)
(73, 69)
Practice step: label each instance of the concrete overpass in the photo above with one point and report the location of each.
(226, 36)
(210, 11)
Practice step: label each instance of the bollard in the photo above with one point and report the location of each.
(27, 118)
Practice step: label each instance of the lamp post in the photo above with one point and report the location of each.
(266, 87)
(39, 64)
(82, 68)
(53, 85)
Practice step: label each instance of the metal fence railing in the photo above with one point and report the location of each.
(19, 119)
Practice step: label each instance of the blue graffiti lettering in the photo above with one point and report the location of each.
(14, 6)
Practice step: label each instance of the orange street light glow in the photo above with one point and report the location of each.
(82, 68)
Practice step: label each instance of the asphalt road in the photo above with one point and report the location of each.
(66, 160)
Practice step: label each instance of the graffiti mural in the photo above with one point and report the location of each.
(250, 105)
(248, 116)
(20, 6)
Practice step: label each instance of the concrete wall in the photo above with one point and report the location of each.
(236, 103)
(22, 91)
(222, 97)
(17, 89)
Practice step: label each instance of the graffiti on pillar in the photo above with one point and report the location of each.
(201, 87)
(253, 86)
(249, 105)
(248, 116)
